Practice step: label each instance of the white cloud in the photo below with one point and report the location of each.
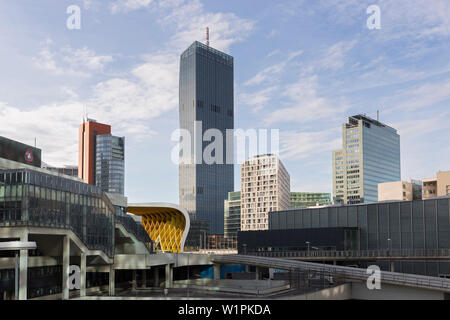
(85, 58)
(258, 99)
(307, 144)
(270, 73)
(420, 97)
(306, 104)
(128, 5)
(68, 61)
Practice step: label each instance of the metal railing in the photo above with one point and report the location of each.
(346, 272)
(394, 253)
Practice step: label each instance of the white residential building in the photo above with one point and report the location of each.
(265, 187)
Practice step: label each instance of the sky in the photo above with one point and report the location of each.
(301, 66)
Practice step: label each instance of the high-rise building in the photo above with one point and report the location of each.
(232, 218)
(370, 155)
(87, 148)
(101, 159)
(206, 98)
(400, 190)
(310, 199)
(110, 163)
(265, 187)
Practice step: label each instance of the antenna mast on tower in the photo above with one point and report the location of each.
(207, 36)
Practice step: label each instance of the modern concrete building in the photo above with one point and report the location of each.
(310, 199)
(436, 187)
(370, 155)
(400, 190)
(232, 216)
(206, 101)
(265, 187)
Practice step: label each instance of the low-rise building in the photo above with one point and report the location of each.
(400, 190)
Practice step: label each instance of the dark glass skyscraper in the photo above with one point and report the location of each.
(206, 96)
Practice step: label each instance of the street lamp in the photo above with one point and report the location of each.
(16, 246)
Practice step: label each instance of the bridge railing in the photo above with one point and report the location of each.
(347, 272)
(356, 253)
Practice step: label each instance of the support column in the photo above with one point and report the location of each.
(257, 273)
(65, 271)
(23, 270)
(334, 262)
(112, 280)
(392, 266)
(216, 271)
(144, 279)
(83, 274)
(156, 277)
(134, 280)
(169, 276)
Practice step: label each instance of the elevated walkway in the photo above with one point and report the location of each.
(400, 279)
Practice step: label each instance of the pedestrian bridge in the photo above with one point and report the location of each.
(394, 278)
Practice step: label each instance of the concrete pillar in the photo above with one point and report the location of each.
(83, 274)
(112, 281)
(133, 280)
(256, 273)
(144, 279)
(334, 262)
(156, 277)
(216, 271)
(23, 270)
(392, 266)
(169, 276)
(66, 265)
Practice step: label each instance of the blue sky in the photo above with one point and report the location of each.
(301, 67)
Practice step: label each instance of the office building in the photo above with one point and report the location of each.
(110, 163)
(436, 187)
(400, 190)
(310, 199)
(87, 148)
(265, 187)
(206, 101)
(370, 155)
(419, 225)
(101, 158)
(232, 216)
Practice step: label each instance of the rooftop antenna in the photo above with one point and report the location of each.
(378, 115)
(207, 36)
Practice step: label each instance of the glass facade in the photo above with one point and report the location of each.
(35, 199)
(418, 224)
(370, 155)
(232, 219)
(110, 163)
(206, 97)
(309, 199)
